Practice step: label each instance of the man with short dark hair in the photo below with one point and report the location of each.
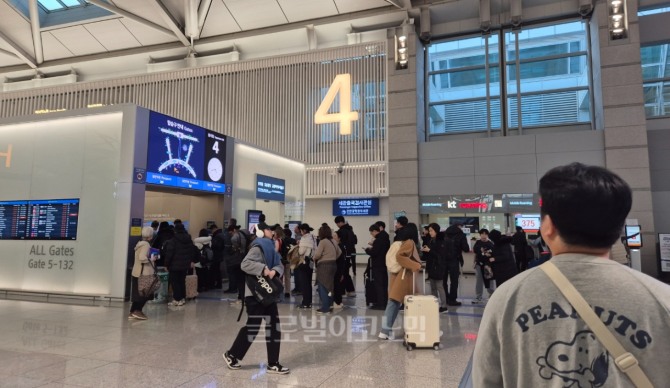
(400, 223)
(531, 336)
(349, 240)
(377, 271)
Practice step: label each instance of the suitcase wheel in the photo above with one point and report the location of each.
(436, 346)
(410, 347)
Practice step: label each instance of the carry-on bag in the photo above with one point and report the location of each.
(422, 320)
(368, 281)
(191, 285)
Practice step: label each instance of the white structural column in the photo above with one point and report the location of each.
(406, 127)
(618, 78)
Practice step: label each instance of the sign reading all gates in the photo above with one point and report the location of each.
(356, 207)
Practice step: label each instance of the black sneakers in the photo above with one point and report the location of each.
(278, 369)
(231, 361)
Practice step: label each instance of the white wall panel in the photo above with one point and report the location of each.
(268, 102)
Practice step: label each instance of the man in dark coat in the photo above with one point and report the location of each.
(349, 241)
(456, 244)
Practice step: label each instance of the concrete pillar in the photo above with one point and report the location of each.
(405, 127)
(620, 112)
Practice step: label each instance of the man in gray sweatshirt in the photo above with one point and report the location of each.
(531, 336)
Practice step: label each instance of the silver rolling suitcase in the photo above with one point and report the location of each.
(422, 321)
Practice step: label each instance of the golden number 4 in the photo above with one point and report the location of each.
(342, 85)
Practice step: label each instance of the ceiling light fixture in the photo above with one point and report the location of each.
(618, 21)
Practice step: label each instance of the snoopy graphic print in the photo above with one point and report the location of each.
(580, 363)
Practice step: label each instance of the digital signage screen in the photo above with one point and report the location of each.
(185, 156)
(356, 207)
(269, 188)
(529, 222)
(55, 219)
(471, 223)
(253, 218)
(13, 220)
(633, 236)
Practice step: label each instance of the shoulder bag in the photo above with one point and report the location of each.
(625, 361)
(147, 285)
(266, 290)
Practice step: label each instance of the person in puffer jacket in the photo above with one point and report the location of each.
(181, 255)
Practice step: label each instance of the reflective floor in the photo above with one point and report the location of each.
(61, 345)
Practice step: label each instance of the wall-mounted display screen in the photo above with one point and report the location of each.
(184, 155)
(471, 223)
(253, 218)
(356, 207)
(55, 219)
(633, 236)
(269, 188)
(13, 220)
(529, 222)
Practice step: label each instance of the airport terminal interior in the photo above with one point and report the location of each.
(122, 116)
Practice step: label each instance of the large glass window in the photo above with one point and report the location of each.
(464, 75)
(656, 79)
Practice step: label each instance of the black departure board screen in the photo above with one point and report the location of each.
(13, 220)
(54, 219)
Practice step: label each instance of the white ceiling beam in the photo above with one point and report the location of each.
(191, 29)
(202, 14)
(7, 53)
(172, 23)
(18, 51)
(397, 3)
(130, 16)
(35, 28)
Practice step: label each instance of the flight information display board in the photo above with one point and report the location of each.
(54, 219)
(184, 155)
(13, 220)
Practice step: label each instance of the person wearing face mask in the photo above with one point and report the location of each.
(435, 255)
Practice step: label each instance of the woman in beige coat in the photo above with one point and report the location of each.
(143, 266)
(401, 283)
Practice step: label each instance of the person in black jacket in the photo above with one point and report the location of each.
(483, 250)
(377, 271)
(456, 243)
(180, 255)
(504, 267)
(218, 243)
(349, 240)
(520, 243)
(435, 255)
(164, 234)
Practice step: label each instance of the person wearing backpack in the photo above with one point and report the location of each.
(303, 272)
(203, 267)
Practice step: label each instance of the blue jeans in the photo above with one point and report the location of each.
(325, 299)
(390, 314)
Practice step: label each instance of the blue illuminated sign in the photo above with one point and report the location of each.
(356, 207)
(272, 189)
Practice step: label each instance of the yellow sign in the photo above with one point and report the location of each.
(8, 156)
(136, 231)
(342, 85)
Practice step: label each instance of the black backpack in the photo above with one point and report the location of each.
(206, 255)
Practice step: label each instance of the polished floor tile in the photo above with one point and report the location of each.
(64, 345)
